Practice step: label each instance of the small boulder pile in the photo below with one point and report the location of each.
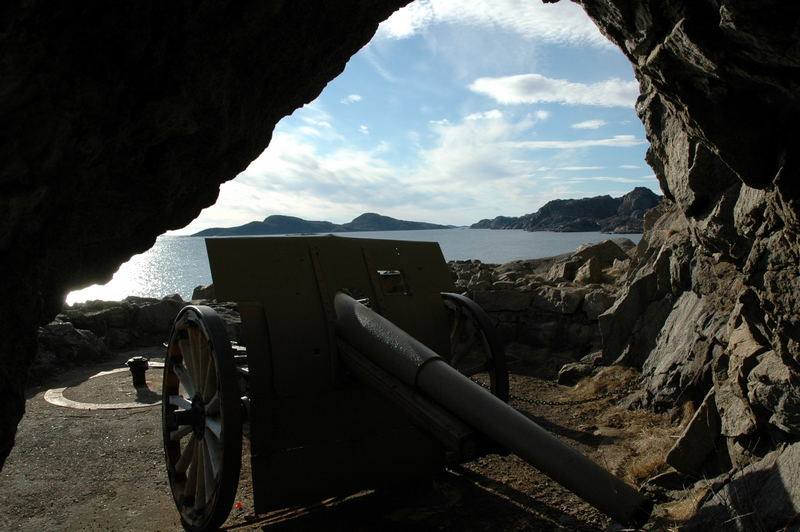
(92, 331)
(551, 304)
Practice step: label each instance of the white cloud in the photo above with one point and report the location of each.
(467, 170)
(617, 141)
(542, 115)
(487, 115)
(564, 22)
(351, 98)
(363, 129)
(630, 166)
(589, 124)
(536, 88)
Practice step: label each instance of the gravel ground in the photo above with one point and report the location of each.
(104, 470)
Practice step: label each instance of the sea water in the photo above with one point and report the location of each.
(177, 264)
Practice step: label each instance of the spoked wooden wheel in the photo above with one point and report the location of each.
(475, 346)
(201, 418)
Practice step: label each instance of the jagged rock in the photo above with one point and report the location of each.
(203, 292)
(604, 253)
(678, 367)
(563, 271)
(560, 300)
(771, 386)
(590, 272)
(596, 302)
(698, 440)
(62, 345)
(762, 496)
(156, 318)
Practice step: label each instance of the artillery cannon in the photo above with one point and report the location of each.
(356, 375)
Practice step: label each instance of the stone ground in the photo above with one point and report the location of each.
(104, 469)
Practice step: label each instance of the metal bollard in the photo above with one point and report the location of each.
(138, 365)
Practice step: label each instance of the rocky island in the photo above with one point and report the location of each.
(600, 213)
(291, 225)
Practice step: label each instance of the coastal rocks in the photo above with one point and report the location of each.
(90, 331)
(61, 344)
(601, 213)
(533, 302)
(134, 321)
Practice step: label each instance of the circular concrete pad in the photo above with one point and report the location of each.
(110, 390)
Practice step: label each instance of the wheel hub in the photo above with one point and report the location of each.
(194, 417)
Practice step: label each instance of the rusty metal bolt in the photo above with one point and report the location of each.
(138, 365)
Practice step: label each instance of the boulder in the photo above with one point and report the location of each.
(563, 271)
(762, 496)
(61, 345)
(156, 318)
(203, 292)
(596, 302)
(570, 374)
(604, 253)
(559, 300)
(591, 272)
(698, 441)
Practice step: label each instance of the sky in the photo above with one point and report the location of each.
(454, 112)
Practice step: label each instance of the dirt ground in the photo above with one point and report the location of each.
(77, 469)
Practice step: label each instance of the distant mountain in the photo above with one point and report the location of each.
(601, 213)
(290, 225)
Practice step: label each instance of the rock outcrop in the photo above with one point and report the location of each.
(601, 213)
(712, 295)
(87, 332)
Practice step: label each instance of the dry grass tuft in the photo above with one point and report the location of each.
(646, 437)
(682, 510)
(610, 379)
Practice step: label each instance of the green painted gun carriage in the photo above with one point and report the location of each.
(357, 371)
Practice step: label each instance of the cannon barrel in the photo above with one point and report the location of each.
(417, 366)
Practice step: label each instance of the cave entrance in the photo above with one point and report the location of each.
(449, 115)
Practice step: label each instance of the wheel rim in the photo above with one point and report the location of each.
(201, 419)
(475, 346)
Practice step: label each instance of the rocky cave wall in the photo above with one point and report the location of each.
(121, 119)
(711, 311)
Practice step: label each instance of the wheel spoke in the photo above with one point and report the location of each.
(210, 383)
(183, 376)
(208, 471)
(214, 425)
(212, 406)
(185, 460)
(200, 488)
(180, 401)
(212, 446)
(201, 353)
(180, 432)
(191, 466)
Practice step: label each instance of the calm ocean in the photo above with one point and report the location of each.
(177, 264)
